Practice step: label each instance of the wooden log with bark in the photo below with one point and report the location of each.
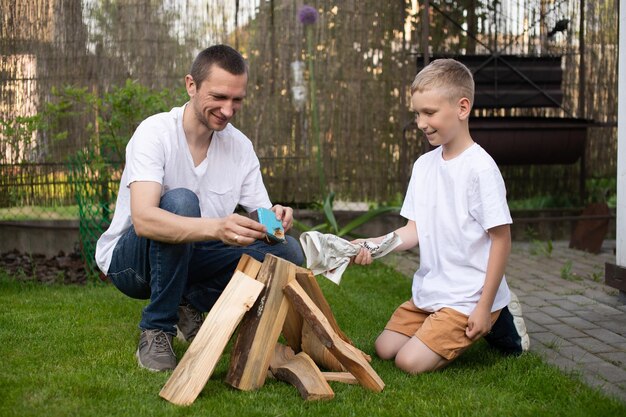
(261, 327)
(300, 371)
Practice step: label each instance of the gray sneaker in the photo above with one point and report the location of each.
(155, 351)
(189, 322)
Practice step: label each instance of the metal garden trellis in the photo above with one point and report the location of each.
(92, 181)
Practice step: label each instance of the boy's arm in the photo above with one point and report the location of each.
(479, 322)
(408, 234)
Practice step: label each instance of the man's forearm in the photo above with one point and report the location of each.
(157, 224)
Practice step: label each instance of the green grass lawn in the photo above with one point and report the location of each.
(23, 213)
(69, 351)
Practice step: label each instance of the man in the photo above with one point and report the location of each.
(174, 237)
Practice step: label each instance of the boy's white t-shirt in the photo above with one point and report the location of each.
(158, 152)
(453, 204)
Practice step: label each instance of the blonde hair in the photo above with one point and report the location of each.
(449, 75)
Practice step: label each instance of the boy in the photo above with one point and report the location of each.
(456, 209)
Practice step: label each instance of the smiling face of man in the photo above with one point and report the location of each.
(218, 98)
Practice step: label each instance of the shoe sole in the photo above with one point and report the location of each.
(147, 367)
(515, 309)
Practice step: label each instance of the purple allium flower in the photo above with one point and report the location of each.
(307, 15)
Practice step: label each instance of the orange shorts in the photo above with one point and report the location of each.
(443, 331)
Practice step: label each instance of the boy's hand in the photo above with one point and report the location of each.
(478, 323)
(364, 257)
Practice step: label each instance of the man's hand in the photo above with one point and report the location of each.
(478, 323)
(239, 230)
(285, 215)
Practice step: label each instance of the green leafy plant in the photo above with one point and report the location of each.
(567, 274)
(94, 128)
(330, 225)
(597, 275)
(602, 190)
(541, 248)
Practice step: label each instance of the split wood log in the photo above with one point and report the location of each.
(260, 327)
(198, 363)
(349, 356)
(249, 266)
(282, 354)
(310, 343)
(300, 371)
(318, 352)
(292, 329)
(309, 284)
(344, 377)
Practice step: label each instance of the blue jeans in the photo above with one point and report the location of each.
(169, 274)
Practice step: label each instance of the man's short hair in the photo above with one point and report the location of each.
(448, 74)
(222, 56)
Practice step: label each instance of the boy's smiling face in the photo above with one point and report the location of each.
(440, 118)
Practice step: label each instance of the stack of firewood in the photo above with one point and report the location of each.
(271, 298)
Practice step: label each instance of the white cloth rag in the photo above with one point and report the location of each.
(330, 255)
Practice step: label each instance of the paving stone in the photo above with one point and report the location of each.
(595, 381)
(611, 389)
(567, 365)
(547, 354)
(556, 312)
(532, 327)
(579, 323)
(617, 358)
(564, 330)
(549, 339)
(566, 304)
(532, 301)
(618, 327)
(606, 336)
(619, 346)
(609, 299)
(592, 344)
(606, 310)
(578, 354)
(606, 370)
(550, 295)
(594, 317)
(581, 300)
(540, 318)
(528, 287)
(601, 296)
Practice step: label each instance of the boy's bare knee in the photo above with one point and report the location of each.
(383, 350)
(416, 358)
(411, 364)
(389, 343)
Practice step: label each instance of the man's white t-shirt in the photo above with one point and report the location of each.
(158, 152)
(453, 204)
